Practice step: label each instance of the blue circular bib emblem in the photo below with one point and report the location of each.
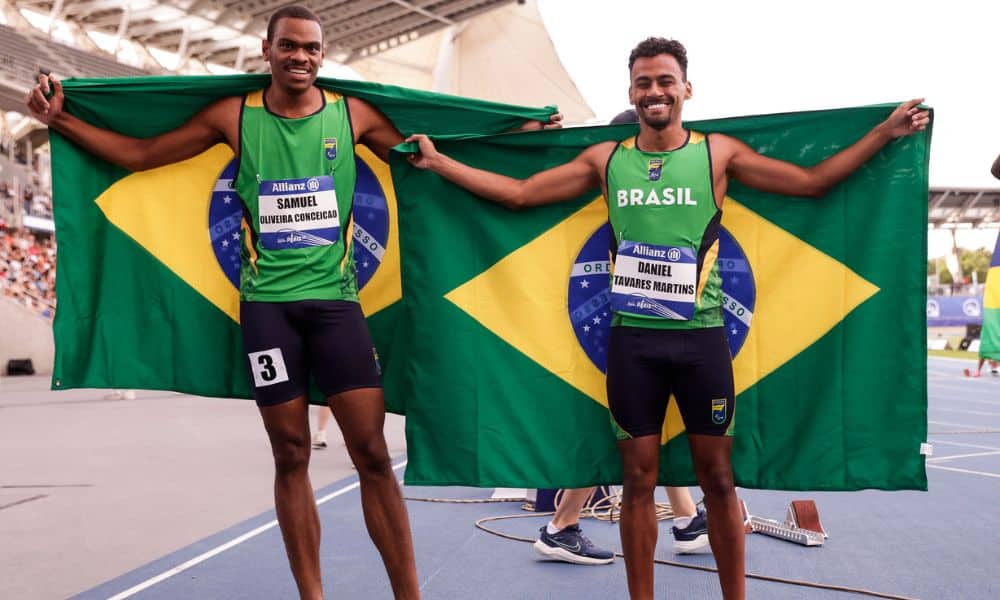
(590, 299)
(370, 215)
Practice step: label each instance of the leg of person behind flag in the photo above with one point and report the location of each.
(690, 528)
(323, 415)
(562, 539)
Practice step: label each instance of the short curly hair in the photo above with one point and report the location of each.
(655, 46)
(292, 11)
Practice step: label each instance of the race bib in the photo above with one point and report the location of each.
(654, 281)
(298, 213)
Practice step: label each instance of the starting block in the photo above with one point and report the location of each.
(801, 525)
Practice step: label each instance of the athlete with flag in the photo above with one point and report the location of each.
(989, 338)
(665, 189)
(299, 309)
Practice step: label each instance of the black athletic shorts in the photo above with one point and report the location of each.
(646, 366)
(286, 341)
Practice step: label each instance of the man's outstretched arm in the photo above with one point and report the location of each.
(563, 182)
(772, 175)
(373, 129)
(216, 123)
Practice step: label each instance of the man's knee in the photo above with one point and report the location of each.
(371, 457)
(639, 477)
(717, 480)
(291, 454)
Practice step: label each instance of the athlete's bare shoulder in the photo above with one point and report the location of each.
(599, 153)
(597, 157)
(223, 115)
(724, 148)
(224, 109)
(722, 143)
(365, 117)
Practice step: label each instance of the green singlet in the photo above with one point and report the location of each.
(296, 179)
(664, 202)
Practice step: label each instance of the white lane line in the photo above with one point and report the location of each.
(230, 544)
(954, 456)
(936, 387)
(963, 444)
(970, 400)
(966, 412)
(964, 425)
(983, 473)
(952, 359)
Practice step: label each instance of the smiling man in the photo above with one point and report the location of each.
(299, 308)
(665, 189)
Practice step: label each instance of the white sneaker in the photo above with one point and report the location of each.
(693, 539)
(129, 395)
(319, 440)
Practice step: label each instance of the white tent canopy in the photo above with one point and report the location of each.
(504, 55)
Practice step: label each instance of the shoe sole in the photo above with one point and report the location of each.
(564, 555)
(698, 545)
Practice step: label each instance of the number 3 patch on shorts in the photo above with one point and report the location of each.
(268, 367)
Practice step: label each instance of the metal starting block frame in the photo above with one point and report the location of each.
(801, 524)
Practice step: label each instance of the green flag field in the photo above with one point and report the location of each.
(490, 323)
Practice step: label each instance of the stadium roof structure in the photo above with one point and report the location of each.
(228, 32)
(963, 207)
(448, 46)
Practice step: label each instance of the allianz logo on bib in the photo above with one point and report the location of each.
(311, 185)
(288, 186)
(664, 197)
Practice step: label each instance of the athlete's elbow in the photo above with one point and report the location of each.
(133, 165)
(135, 159)
(514, 198)
(816, 191)
(814, 187)
(514, 203)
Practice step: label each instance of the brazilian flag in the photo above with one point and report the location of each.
(989, 346)
(506, 318)
(492, 324)
(148, 262)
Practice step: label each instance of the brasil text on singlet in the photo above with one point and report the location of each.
(666, 235)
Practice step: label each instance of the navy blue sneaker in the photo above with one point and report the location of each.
(570, 545)
(693, 538)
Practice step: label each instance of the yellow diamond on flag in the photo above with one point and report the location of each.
(522, 299)
(165, 210)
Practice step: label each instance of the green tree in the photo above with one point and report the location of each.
(975, 261)
(936, 265)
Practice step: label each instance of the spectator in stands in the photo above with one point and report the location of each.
(27, 270)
